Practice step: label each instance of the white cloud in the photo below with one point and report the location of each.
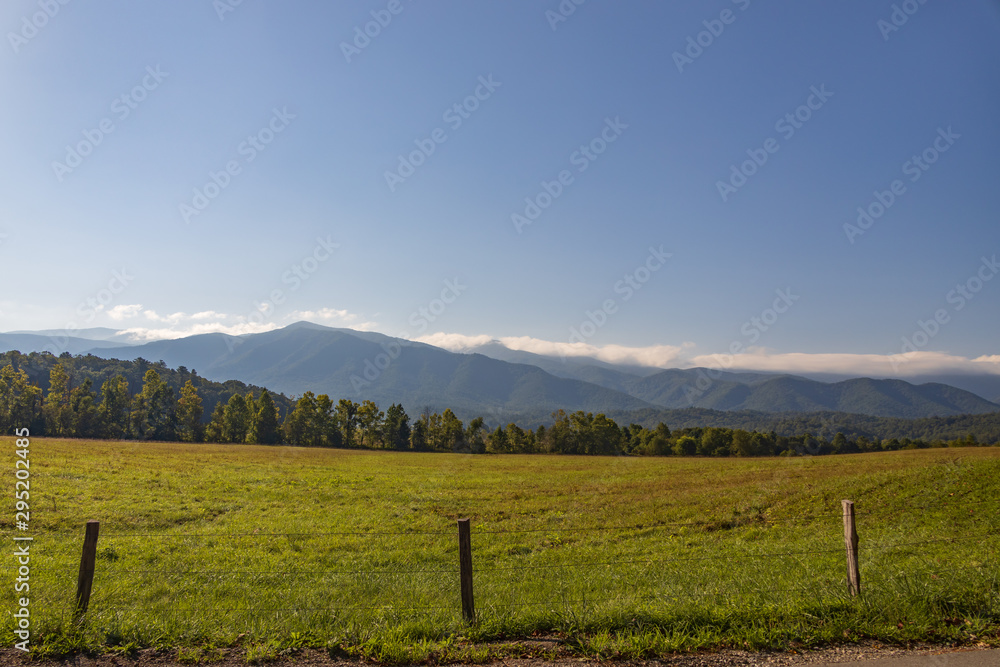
(454, 342)
(208, 315)
(754, 359)
(871, 365)
(330, 316)
(181, 324)
(124, 312)
(989, 359)
(173, 318)
(661, 356)
(144, 335)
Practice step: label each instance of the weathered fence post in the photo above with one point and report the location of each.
(465, 569)
(851, 542)
(85, 582)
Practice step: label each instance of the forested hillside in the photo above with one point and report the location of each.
(89, 397)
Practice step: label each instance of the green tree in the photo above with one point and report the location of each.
(370, 423)
(235, 420)
(189, 413)
(839, 443)
(743, 444)
(559, 438)
(265, 421)
(396, 428)
(116, 407)
(154, 413)
(605, 436)
(20, 401)
(685, 445)
(475, 436)
(311, 422)
(715, 442)
(347, 419)
(435, 433)
(86, 417)
(498, 443)
(56, 409)
(657, 442)
(418, 436)
(452, 432)
(298, 422)
(634, 438)
(520, 441)
(326, 424)
(213, 432)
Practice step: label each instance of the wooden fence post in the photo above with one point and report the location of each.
(85, 582)
(465, 569)
(851, 542)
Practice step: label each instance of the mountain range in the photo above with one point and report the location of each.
(501, 384)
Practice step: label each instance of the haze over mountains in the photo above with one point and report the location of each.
(499, 383)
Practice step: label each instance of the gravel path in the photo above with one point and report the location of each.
(932, 656)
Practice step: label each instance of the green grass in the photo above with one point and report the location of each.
(210, 548)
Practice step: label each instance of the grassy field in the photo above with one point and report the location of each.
(274, 548)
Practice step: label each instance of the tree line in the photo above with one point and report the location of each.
(161, 408)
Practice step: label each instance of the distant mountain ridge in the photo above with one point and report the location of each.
(365, 365)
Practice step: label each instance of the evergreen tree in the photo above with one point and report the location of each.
(347, 420)
(452, 432)
(235, 420)
(86, 417)
(497, 443)
(213, 432)
(328, 433)
(418, 436)
(189, 413)
(115, 407)
(518, 440)
(265, 422)
(300, 424)
(396, 429)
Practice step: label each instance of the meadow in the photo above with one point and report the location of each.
(204, 547)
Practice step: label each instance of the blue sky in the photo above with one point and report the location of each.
(148, 232)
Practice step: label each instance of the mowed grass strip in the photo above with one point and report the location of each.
(217, 545)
